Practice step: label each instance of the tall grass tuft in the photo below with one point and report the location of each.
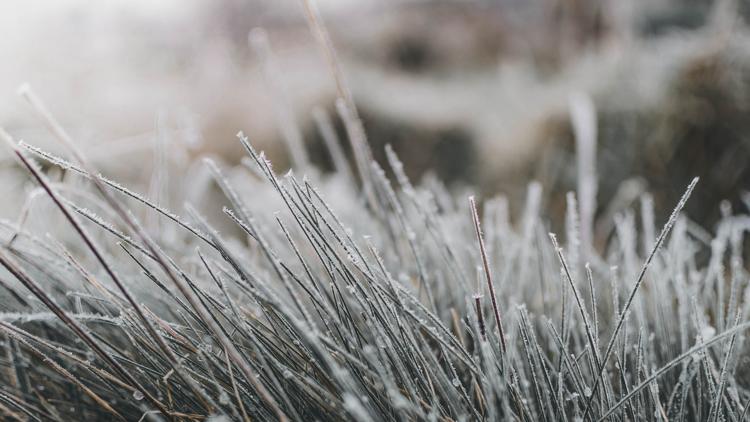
(399, 302)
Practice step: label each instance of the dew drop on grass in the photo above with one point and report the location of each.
(587, 392)
(456, 382)
(137, 395)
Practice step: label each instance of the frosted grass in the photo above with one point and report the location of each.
(386, 300)
(330, 317)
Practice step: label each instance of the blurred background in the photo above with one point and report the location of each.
(471, 92)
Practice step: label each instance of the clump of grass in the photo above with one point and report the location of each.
(376, 313)
(371, 318)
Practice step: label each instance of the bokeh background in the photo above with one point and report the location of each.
(475, 93)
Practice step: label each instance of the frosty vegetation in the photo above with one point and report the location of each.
(400, 302)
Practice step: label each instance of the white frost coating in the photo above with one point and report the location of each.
(50, 317)
(572, 230)
(354, 406)
(583, 119)
(707, 332)
(324, 328)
